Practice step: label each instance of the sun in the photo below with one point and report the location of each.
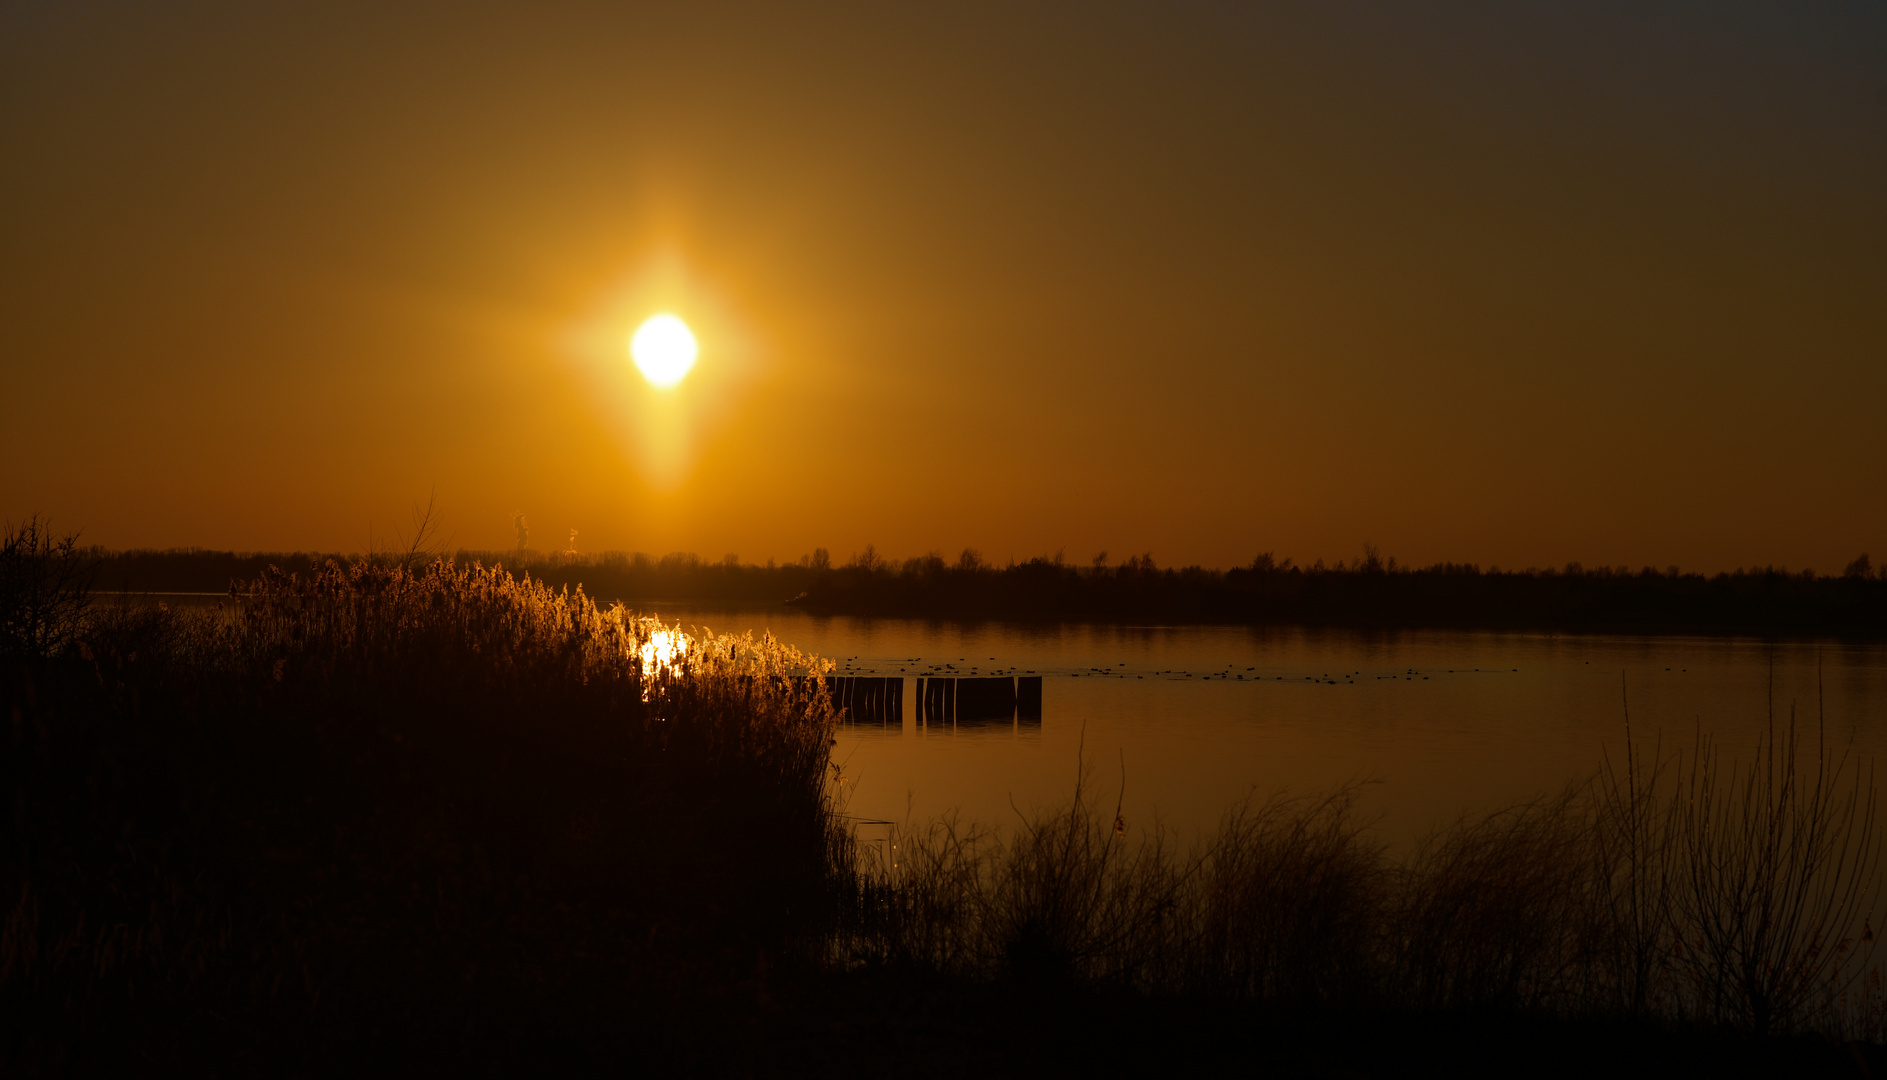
(664, 350)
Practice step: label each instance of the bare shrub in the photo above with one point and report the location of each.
(1634, 851)
(45, 586)
(1778, 860)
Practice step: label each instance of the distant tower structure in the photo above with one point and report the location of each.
(523, 530)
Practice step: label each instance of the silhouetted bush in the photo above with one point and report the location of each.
(45, 582)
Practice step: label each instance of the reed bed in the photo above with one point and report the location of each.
(376, 794)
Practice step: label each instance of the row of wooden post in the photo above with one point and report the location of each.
(872, 699)
(868, 698)
(980, 699)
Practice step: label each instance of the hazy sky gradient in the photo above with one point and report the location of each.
(1502, 283)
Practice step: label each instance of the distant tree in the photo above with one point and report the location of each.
(426, 544)
(1859, 568)
(45, 585)
(523, 530)
(928, 565)
(1371, 562)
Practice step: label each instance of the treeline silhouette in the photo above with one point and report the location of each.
(1370, 590)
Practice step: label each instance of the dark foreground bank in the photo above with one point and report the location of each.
(441, 818)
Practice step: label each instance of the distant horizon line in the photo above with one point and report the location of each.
(971, 559)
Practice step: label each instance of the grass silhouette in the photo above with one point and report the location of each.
(1689, 890)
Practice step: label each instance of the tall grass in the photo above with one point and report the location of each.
(1695, 888)
(1494, 913)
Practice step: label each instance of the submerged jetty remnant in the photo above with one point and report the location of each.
(980, 700)
(868, 698)
(871, 699)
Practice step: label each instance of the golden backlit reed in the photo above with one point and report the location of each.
(429, 791)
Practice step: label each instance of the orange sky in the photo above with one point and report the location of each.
(1594, 282)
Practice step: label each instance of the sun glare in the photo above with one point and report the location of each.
(663, 650)
(664, 350)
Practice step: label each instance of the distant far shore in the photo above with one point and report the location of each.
(1369, 592)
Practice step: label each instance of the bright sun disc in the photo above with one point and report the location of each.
(664, 350)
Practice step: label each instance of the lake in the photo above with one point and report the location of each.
(1438, 723)
(1199, 717)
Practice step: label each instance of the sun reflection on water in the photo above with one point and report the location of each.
(663, 651)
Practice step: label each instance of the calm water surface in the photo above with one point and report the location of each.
(1197, 717)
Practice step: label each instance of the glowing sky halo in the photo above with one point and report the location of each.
(661, 427)
(664, 350)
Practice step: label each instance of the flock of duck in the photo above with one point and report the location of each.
(917, 666)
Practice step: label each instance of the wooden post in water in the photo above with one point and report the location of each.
(986, 699)
(1029, 697)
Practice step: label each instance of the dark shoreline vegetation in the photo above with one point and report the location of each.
(1370, 591)
(430, 815)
